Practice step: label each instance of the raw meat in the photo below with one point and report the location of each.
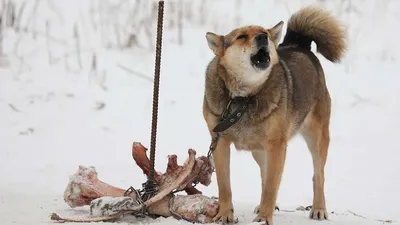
(108, 202)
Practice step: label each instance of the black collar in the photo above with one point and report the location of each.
(229, 118)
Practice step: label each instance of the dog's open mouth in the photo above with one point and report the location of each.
(261, 59)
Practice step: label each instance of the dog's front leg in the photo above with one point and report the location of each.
(221, 155)
(276, 155)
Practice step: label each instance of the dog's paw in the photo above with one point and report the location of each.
(266, 220)
(318, 214)
(257, 209)
(225, 217)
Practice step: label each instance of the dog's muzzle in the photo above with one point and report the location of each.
(261, 58)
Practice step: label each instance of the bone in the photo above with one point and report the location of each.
(201, 172)
(173, 181)
(107, 202)
(84, 186)
(56, 217)
(195, 208)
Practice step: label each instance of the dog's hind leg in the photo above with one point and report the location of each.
(315, 131)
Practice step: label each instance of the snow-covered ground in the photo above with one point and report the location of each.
(54, 119)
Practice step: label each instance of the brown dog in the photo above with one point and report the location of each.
(284, 93)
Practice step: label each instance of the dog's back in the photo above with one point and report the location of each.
(305, 75)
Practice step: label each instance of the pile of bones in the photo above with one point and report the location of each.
(108, 202)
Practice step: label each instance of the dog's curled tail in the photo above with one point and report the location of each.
(316, 24)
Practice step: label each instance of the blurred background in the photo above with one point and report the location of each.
(76, 82)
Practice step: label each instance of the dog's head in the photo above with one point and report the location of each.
(248, 53)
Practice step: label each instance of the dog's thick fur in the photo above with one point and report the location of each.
(289, 96)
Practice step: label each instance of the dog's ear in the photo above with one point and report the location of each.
(276, 33)
(215, 43)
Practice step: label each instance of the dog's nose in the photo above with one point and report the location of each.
(261, 39)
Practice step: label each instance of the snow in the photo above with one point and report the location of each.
(56, 115)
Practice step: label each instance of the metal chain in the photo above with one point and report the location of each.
(213, 145)
(138, 197)
(215, 139)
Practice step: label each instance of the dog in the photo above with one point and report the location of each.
(286, 93)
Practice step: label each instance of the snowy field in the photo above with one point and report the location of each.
(58, 111)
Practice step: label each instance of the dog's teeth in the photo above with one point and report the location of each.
(258, 61)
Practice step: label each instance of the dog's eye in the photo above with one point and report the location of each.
(243, 36)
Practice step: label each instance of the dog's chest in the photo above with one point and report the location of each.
(247, 133)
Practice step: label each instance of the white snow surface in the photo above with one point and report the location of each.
(57, 116)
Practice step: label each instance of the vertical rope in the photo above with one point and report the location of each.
(156, 88)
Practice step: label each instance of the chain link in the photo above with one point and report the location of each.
(213, 145)
(215, 139)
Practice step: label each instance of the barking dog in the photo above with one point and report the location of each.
(284, 91)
